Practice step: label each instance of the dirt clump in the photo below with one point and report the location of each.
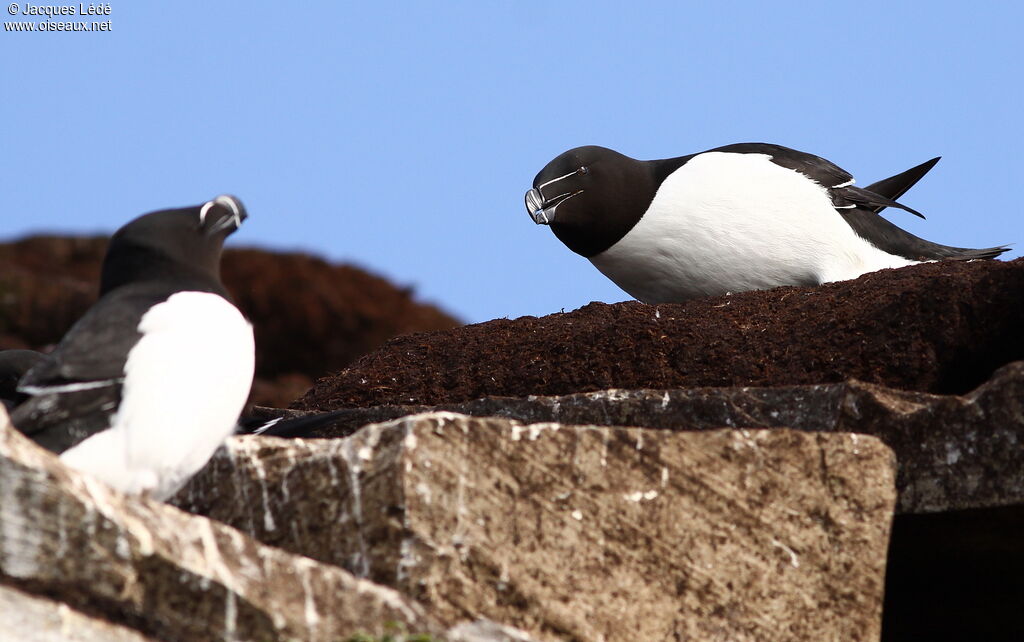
(935, 327)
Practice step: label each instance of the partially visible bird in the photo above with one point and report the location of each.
(748, 216)
(150, 381)
(307, 426)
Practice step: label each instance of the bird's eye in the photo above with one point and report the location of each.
(582, 170)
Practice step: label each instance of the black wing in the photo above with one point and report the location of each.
(833, 178)
(76, 388)
(292, 425)
(890, 238)
(859, 207)
(851, 196)
(821, 171)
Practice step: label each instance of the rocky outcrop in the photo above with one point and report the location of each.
(955, 557)
(310, 317)
(582, 533)
(117, 562)
(754, 504)
(954, 452)
(937, 327)
(30, 618)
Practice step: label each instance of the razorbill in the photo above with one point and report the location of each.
(145, 386)
(303, 426)
(13, 365)
(749, 216)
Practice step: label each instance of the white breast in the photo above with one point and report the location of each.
(186, 382)
(726, 222)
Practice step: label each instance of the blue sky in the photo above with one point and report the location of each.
(402, 136)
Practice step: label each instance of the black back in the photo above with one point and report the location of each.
(833, 178)
(859, 207)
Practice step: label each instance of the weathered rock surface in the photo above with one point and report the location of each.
(164, 573)
(29, 618)
(679, 531)
(938, 327)
(309, 317)
(954, 452)
(485, 630)
(582, 533)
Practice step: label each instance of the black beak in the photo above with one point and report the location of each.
(225, 212)
(535, 206)
(541, 211)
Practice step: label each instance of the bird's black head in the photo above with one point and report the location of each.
(180, 243)
(591, 196)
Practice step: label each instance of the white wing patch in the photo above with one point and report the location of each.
(186, 382)
(726, 222)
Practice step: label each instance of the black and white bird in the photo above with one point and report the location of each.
(145, 386)
(749, 216)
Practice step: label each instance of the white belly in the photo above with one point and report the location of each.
(186, 382)
(727, 222)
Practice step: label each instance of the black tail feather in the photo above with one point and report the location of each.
(894, 240)
(896, 186)
(966, 254)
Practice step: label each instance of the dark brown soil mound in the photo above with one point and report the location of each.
(310, 317)
(937, 327)
(313, 317)
(46, 284)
